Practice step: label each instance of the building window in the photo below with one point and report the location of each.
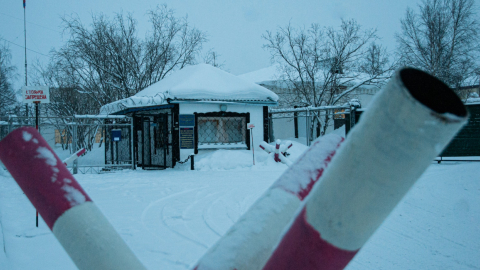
(221, 132)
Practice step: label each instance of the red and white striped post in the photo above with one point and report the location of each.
(76, 222)
(407, 125)
(277, 150)
(74, 156)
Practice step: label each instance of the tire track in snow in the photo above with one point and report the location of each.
(186, 237)
(205, 213)
(157, 207)
(196, 223)
(222, 220)
(154, 222)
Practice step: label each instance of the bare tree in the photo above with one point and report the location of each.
(107, 61)
(212, 58)
(7, 74)
(376, 60)
(319, 66)
(442, 38)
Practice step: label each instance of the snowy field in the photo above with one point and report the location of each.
(170, 218)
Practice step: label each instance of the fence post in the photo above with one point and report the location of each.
(307, 127)
(74, 147)
(131, 143)
(10, 125)
(353, 109)
(271, 136)
(295, 122)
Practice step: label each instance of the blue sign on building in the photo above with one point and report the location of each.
(186, 120)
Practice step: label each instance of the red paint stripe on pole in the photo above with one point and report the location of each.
(81, 152)
(302, 247)
(277, 151)
(324, 158)
(40, 174)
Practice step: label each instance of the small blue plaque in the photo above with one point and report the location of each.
(186, 120)
(116, 135)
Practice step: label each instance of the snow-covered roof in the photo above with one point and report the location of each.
(263, 75)
(201, 82)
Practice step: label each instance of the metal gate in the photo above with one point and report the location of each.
(154, 141)
(66, 135)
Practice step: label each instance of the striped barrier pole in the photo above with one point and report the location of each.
(77, 223)
(277, 150)
(252, 239)
(270, 148)
(409, 122)
(74, 156)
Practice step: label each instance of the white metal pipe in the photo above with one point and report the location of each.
(304, 109)
(405, 127)
(100, 116)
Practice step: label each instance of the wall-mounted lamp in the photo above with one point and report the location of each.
(223, 107)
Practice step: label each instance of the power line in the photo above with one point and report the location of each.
(24, 47)
(31, 23)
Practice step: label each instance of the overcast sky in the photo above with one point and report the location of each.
(234, 28)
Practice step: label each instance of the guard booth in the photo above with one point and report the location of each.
(199, 108)
(153, 139)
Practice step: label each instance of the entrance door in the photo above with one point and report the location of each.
(154, 141)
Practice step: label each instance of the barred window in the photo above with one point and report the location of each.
(222, 131)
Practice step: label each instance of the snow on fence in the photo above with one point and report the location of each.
(66, 135)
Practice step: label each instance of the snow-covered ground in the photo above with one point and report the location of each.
(169, 218)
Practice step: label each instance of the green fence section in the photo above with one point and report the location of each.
(467, 141)
(465, 144)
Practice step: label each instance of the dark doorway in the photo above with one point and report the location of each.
(154, 141)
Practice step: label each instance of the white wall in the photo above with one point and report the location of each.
(256, 118)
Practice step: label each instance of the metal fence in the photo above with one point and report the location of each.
(108, 140)
(307, 123)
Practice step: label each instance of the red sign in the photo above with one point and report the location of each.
(34, 94)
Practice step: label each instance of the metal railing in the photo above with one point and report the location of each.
(66, 135)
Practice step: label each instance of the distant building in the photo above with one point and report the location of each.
(284, 128)
(270, 78)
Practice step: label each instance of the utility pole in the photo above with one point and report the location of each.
(25, 36)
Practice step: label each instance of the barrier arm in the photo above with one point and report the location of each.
(74, 156)
(407, 124)
(83, 231)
